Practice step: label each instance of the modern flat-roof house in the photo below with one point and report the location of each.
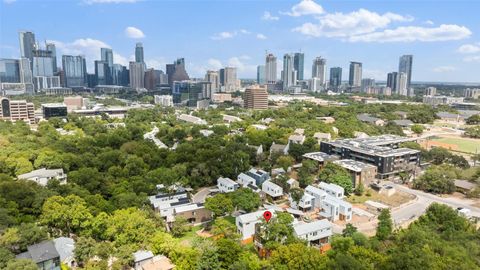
(245, 180)
(306, 203)
(163, 197)
(230, 118)
(194, 213)
(316, 233)
(296, 138)
(65, 247)
(42, 176)
(336, 209)
(145, 260)
(332, 189)
(366, 118)
(246, 224)
(44, 254)
(380, 151)
(318, 195)
(226, 185)
(322, 136)
(259, 175)
(362, 173)
(281, 149)
(272, 189)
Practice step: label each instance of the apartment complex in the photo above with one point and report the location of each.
(384, 152)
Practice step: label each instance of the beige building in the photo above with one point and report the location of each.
(362, 173)
(15, 110)
(256, 98)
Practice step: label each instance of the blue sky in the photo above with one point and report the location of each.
(443, 35)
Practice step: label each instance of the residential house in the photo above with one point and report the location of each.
(191, 119)
(292, 183)
(206, 132)
(332, 189)
(226, 185)
(281, 149)
(278, 171)
(65, 247)
(336, 209)
(44, 254)
(246, 225)
(245, 180)
(272, 189)
(450, 117)
(145, 260)
(362, 173)
(296, 138)
(322, 136)
(259, 175)
(327, 119)
(43, 175)
(464, 186)
(317, 233)
(318, 195)
(366, 118)
(306, 203)
(194, 213)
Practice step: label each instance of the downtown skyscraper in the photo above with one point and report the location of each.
(27, 45)
(335, 77)
(75, 70)
(319, 70)
(137, 75)
(270, 69)
(405, 66)
(289, 74)
(139, 53)
(261, 74)
(355, 74)
(299, 65)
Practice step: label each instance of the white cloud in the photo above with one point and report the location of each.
(429, 22)
(374, 73)
(223, 35)
(214, 64)
(261, 36)
(305, 7)
(443, 69)
(269, 17)
(156, 62)
(240, 62)
(9, 1)
(348, 24)
(243, 31)
(133, 32)
(415, 33)
(90, 48)
(91, 2)
(469, 48)
(475, 58)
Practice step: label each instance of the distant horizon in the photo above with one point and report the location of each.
(443, 41)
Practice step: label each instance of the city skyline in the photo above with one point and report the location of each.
(445, 45)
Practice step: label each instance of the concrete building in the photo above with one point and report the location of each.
(441, 100)
(256, 98)
(319, 70)
(137, 75)
(431, 91)
(228, 79)
(226, 185)
(213, 77)
(405, 66)
(472, 93)
(384, 152)
(17, 110)
(163, 100)
(335, 78)
(42, 176)
(355, 74)
(270, 69)
(192, 119)
(289, 74)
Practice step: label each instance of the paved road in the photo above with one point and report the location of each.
(201, 195)
(424, 199)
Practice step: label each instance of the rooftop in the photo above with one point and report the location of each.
(353, 165)
(319, 156)
(41, 252)
(306, 228)
(43, 172)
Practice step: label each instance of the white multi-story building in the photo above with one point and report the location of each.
(246, 224)
(332, 189)
(272, 189)
(270, 69)
(316, 233)
(164, 100)
(319, 70)
(245, 180)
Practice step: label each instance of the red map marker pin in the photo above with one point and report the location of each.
(267, 215)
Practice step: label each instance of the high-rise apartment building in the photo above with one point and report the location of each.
(405, 66)
(289, 74)
(431, 91)
(397, 81)
(102, 73)
(228, 79)
(213, 78)
(256, 98)
(119, 75)
(335, 77)
(53, 52)
(137, 75)
(177, 71)
(261, 74)
(299, 65)
(150, 79)
(355, 74)
(139, 53)
(271, 69)
(42, 63)
(26, 75)
(472, 93)
(9, 70)
(319, 70)
(107, 56)
(75, 70)
(368, 84)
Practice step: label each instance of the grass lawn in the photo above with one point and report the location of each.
(189, 236)
(464, 145)
(395, 200)
(230, 219)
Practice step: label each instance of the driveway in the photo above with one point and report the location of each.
(201, 195)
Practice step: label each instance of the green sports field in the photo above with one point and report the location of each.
(464, 144)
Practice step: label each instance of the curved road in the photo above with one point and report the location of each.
(201, 195)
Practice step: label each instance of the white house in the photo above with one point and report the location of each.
(42, 176)
(192, 119)
(305, 203)
(332, 189)
(321, 136)
(296, 138)
(292, 183)
(226, 185)
(230, 118)
(246, 224)
(318, 195)
(272, 189)
(336, 209)
(245, 180)
(316, 233)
